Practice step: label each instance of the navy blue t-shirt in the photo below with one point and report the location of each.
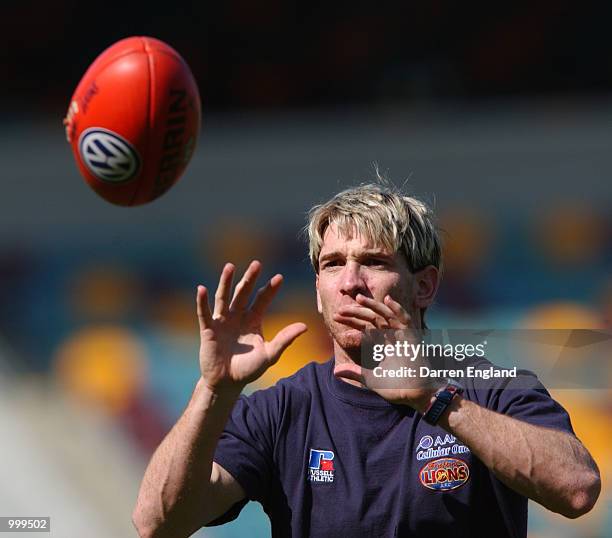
(327, 458)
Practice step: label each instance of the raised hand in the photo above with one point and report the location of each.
(233, 351)
(388, 316)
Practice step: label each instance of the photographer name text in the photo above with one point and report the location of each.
(424, 371)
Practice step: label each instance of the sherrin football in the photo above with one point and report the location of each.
(133, 121)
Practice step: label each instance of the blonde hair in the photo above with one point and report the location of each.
(385, 217)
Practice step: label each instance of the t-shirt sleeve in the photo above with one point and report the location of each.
(525, 398)
(245, 450)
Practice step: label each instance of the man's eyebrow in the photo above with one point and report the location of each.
(376, 252)
(333, 254)
(369, 252)
(377, 255)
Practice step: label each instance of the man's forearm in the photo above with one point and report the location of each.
(174, 489)
(522, 456)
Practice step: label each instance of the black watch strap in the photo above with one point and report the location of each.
(441, 401)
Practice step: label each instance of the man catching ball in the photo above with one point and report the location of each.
(327, 456)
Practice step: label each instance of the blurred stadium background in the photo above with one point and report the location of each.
(501, 117)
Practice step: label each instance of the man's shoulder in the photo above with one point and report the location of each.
(486, 375)
(498, 387)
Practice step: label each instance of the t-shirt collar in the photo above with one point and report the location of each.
(353, 394)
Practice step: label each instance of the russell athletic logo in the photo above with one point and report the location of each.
(321, 466)
(444, 474)
(108, 156)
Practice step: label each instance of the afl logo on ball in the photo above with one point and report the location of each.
(108, 156)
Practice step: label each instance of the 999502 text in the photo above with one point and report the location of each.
(25, 524)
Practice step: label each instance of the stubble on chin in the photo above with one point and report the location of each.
(347, 338)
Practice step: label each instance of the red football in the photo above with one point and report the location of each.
(133, 121)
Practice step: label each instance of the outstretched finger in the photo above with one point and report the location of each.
(283, 339)
(204, 316)
(399, 311)
(223, 291)
(364, 314)
(354, 322)
(380, 308)
(245, 286)
(264, 297)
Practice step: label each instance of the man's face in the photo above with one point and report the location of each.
(348, 267)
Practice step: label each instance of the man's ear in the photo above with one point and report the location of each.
(426, 282)
(319, 305)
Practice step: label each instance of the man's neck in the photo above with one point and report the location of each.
(342, 356)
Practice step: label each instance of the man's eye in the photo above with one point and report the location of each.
(331, 263)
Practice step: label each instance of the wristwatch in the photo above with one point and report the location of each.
(441, 401)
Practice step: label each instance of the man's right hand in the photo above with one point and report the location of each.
(233, 351)
(175, 497)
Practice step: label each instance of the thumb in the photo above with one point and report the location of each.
(349, 370)
(283, 339)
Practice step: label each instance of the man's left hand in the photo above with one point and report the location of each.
(388, 316)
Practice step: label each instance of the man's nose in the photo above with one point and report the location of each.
(352, 281)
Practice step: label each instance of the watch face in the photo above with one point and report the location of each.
(452, 389)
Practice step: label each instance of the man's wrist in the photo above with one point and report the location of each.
(423, 403)
(210, 396)
(452, 414)
(441, 401)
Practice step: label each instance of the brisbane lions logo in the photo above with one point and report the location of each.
(444, 474)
